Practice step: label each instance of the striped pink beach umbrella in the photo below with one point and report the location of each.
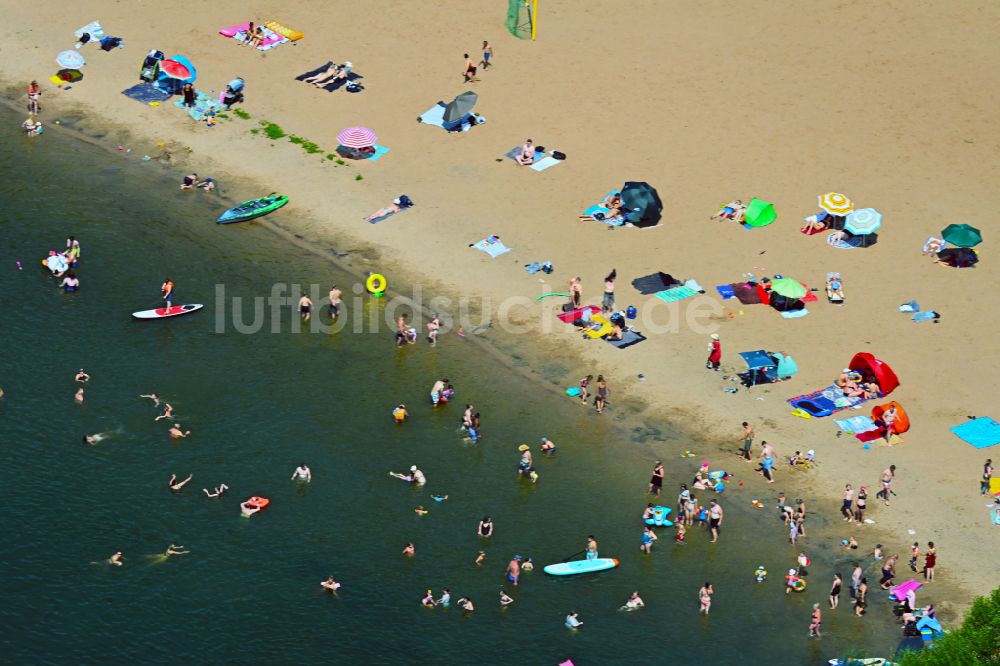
(357, 137)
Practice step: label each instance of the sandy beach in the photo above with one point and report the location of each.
(894, 105)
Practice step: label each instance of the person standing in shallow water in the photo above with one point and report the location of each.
(602, 394)
(705, 597)
(747, 441)
(656, 482)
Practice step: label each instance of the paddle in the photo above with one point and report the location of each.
(567, 559)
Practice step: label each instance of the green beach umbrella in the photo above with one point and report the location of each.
(788, 288)
(962, 235)
(760, 213)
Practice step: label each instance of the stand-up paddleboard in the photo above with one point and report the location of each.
(172, 311)
(248, 210)
(581, 566)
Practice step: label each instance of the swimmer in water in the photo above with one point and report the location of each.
(302, 473)
(116, 559)
(415, 476)
(176, 485)
(548, 447)
(439, 498)
(218, 490)
(421, 511)
(514, 570)
(330, 584)
(177, 433)
(79, 397)
(168, 412)
(399, 413)
(99, 437)
(82, 377)
(445, 599)
(247, 509)
(480, 558)
(528, 565)
(436, 390)
(428, 600)
(485, 527)
(634, 602)
(409, 550)
(505, 600)
(171, 550)
(467, 417)
(152, 396)
(305, 308)
(466, 605)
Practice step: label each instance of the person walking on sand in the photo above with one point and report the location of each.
(608, 302)
(714, 353)
(984, 483)
(856, 575)
(930, 561)
(335, 299)
(705, 597)
(888, 474)
(914, 556)
(845, 508)
(656, 482)
(305, 307)
(715, 519)
(487, 55)
(835, 591)
(815, 622)
(860, 505)
(576, 292)
(747, 438)
(469, 73)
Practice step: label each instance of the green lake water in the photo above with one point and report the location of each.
(259, 404)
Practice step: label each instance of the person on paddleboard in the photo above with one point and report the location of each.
(168, 292)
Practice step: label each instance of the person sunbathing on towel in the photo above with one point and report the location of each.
(932, 246)
(324, 77)
(872, 390)
(618, 330)
(398, 204)
(613, 202)
(731, 211)
(834, 289)
(527, 155)
(815, 223)
(257, 38)
(854, 390)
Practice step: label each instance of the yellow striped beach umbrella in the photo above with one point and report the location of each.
(836, 203)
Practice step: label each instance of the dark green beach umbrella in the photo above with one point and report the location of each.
(962, 235)
(643, 204)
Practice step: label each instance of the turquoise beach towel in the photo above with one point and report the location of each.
(980, 433)
(379, 152)
(494, 249)
(202, 105)
(675, 294)
(544, 163)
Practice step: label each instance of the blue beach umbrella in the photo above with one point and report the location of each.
(862, 222)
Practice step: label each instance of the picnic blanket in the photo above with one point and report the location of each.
(847, 244)
(629, 338)
(271, 38)
(981, 433)
(654, 282)
(435, 116)
(146, 93)
(857, 424)
(202, 105)
(492, 246)
(675, 294)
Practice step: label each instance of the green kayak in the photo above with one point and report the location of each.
(248, 210)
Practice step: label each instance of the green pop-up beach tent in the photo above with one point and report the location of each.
(760, 213)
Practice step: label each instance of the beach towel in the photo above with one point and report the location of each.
(435, 116)
(675, 294)
(629, 338)
(314, 72)
(825, 401)
(847, 244)
(747, 294)
(857, 424)
(93, 29)
(146, 93)
(283, 30)
(570, 316)
(238, 32)
(654, 282)
(693, 284)
(981, 433)
(726, 291)
(202, 105)
(379, 152)
(492, 246)
(376, 220)
(925, 316)
(794, 314)
(329, 86)
(544, 163)
(598, 208)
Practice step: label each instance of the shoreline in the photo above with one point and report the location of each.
(660, 398)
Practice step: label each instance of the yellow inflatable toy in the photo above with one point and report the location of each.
(605, 328)
(376, 283)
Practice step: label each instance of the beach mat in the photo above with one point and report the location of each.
(146, 93)
(726, 291)
(857, 424)
(544, 163)
(271, 38)
(629, 338)
(376, 220)
(570, 316)
(514, 152)
(675, 294)
(494, 249)
(202, 105)
(745, 293)
(981, 433)
(654, 282)
(849, 244)
(826, 401)
(379, 152)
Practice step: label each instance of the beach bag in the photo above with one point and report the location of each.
(559, 155)
(567, 307)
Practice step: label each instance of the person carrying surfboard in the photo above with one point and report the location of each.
(168, 292)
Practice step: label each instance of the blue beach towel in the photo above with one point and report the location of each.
(980, 433)
(146, 93)
(849, 244)
(513, 153)
(675, 294)
(726, 291)
(379, 152)
(202, 105)
(629, 338)
(544, 163)
(857, 424)
(598, 208)
(494, 249)
(794, 314)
